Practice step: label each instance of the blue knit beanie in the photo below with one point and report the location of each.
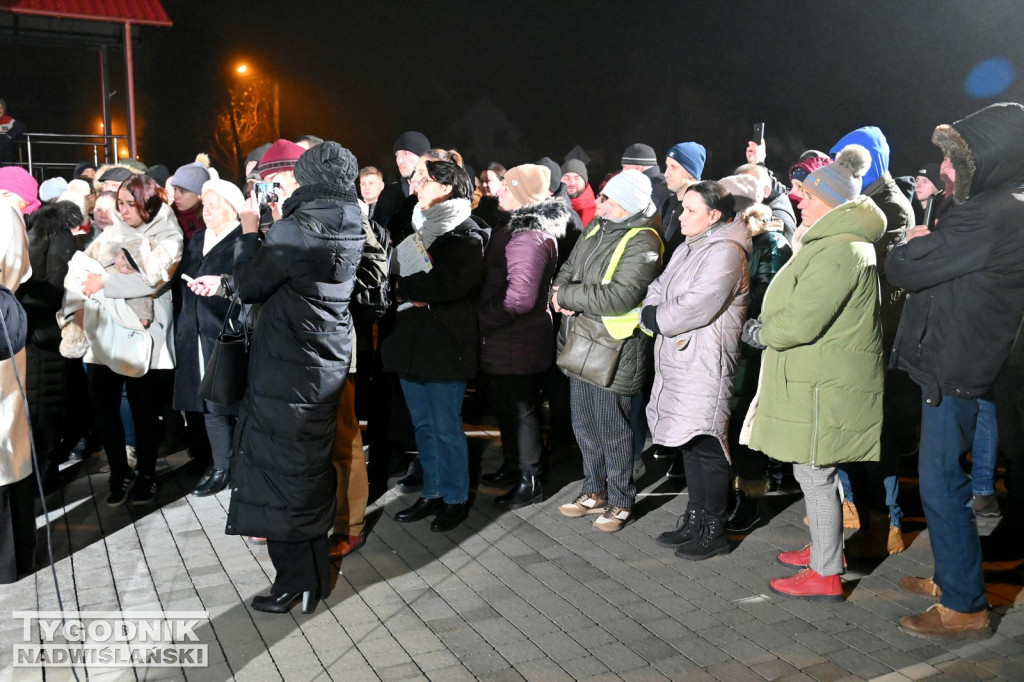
(690, 156)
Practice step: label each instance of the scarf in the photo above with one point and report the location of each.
(431, 223)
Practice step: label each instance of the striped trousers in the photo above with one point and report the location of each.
(600, 419)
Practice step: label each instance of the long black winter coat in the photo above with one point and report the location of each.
(966, 279)
(50, 245)
(438, 342)
(200, 319)
(282, 478)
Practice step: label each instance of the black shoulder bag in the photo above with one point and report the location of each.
(228, 368)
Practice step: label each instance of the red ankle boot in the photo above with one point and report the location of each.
(800, 558)
(808, 584)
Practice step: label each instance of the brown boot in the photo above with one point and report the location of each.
(938, 622)
(896, 540)
(872, 540)
(851, 518)
(925, 587)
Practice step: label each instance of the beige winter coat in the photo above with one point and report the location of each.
(15, 456)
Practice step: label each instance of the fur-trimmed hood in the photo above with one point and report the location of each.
(550, 215)
(985, 148)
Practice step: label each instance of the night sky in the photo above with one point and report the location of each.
(598, 74)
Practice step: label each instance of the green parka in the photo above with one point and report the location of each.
(820, 394)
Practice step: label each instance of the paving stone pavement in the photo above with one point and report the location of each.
(524, 595)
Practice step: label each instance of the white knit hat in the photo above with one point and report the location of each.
(228, 191)
(631, 190)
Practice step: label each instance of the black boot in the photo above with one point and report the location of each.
(283, 603)
(412, 482)
(421, 509)
(712, 541)
(450, 517)
(526, 493)
(689, 527)
(214, 483)
(747, 515)
(507, 474)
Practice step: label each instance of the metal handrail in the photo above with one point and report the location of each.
(109, 144)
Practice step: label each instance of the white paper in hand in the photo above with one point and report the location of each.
(412, 256)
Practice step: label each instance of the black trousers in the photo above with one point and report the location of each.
(148, 395)
(514, 398)
(707, 475)
(220, 430)
(301, 566)
(17, 530)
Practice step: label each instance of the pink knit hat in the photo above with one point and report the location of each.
(17, 180)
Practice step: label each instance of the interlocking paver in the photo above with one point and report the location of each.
(527, 595)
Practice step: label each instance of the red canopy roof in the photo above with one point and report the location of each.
(149, 12)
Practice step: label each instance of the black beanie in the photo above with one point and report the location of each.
(327, 164)
(576, 166)
(556, 172)
(412, 141)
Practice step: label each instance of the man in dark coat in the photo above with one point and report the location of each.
(394, 207)
(963, 311)
(283, 480)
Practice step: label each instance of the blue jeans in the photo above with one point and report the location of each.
(436, 411)
(983, 450)
(947, 431)
(891, 482)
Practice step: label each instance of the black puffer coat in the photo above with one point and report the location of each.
(283, 482)
(200, 320)
(438, 342)
(966, 278)
(580, 289)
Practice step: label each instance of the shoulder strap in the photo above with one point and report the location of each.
(620, 248)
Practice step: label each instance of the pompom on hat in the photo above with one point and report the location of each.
(840, 181)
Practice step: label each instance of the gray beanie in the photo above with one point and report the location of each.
(631, 190)
(327, 164)
(191, 177)
(840, 181)
(639, 154)
(576, 166)
(52, 188)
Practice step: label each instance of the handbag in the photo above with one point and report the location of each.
(124, 350)
(227, 370)
(590, 352)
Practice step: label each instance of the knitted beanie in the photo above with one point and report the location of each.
(801, 169)
(554, 172)
(576, 166)
(227, 191)
(528, 183)
(191, 177)
(160, 173)
(639, 155)
(932, 172)
(691, 156)
(840, 181)
(412, 141)
(17, 180)
(281, 156)
(631, 190)
(327, 164)
(52, 188)
(81, 167)
(255, 154)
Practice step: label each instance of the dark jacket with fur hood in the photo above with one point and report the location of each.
(580, 289)
(966, 278)
(515, 321)
(50, 247)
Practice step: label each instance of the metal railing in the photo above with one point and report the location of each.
(38, 152)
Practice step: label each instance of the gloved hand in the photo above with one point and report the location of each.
(751, 334)
(649, 319)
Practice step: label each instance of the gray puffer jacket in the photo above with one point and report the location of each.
(580, 288)
(701, 301)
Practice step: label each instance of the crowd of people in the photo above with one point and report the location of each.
(833, 323)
